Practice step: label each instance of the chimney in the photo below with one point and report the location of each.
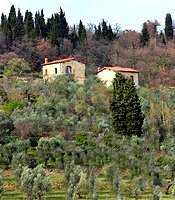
(46, 60)
(99, 68)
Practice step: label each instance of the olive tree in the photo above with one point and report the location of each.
(33, 182)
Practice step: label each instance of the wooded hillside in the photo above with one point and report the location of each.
(32, 37)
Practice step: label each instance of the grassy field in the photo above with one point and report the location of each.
(11, 192)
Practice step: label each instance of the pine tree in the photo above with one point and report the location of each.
(144, 37)
(168, 27)
(81, 32)
(127, 117)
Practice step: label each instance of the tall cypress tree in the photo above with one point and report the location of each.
(81, 32)
(169, 32)
(98, 32)
(54, 34)
(19, 28)
(64, 28)
(104, 29)
(37, 24)
(29, 24)
(49, 24)
(3, 20)
(40, 26)
(144, 37)
(12, 20)
(74, 37)
(127, 117)
(110, 34)
(6, 28)
(43, 25)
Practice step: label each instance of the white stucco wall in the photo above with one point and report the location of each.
(107, 76)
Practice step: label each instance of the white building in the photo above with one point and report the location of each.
(107, 74)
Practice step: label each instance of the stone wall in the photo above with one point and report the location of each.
(77, 69)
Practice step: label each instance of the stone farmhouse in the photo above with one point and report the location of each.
(73, 66)
(107, 74)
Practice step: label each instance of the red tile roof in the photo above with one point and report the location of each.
(120, 69)
(60, 61)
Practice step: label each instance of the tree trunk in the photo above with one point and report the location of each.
(168, 187)
(79, 195)
(136, 196)
(39, 196)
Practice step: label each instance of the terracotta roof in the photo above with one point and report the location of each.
(60, 61)
(119, 69)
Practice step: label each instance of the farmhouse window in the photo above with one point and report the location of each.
(68, 70)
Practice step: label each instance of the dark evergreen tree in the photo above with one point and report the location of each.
(7, 30)
(98, 32)
(49, 24)
(144, 37)
(81, 32)
(64, 28)
(40, 26)
(37, 24)
(74, 37)
(12, 16)
(19, 30)
(12, 19)
(127, 117)
(104, 29)
(110, 34)
(162, 38)
(54, 34)
(43, 25)
(168, 27)
(3, 20)
(29, 24)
